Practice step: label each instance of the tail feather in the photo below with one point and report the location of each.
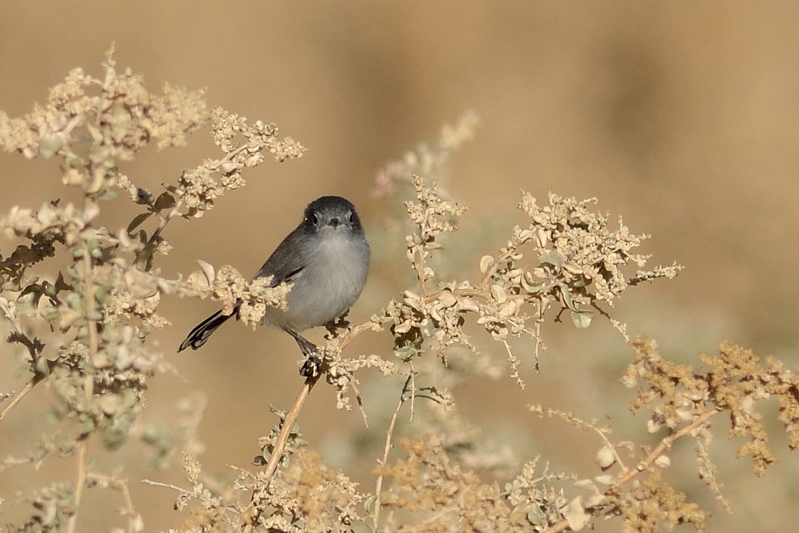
(204, 329)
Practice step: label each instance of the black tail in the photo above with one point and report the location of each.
(200, 334)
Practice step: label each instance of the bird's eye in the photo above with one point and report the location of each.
(315, 219)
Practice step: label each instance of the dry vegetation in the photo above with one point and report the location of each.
(80, 300)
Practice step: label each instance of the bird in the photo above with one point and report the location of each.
(326, 259)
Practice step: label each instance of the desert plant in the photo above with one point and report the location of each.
(80, 300)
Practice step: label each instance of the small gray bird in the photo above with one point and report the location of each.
(326, 258)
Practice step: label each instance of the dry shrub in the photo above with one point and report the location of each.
(84, 333)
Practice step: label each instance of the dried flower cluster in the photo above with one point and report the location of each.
(683, 402)
(243, 146)
(304, 496)
(578, 264)
(735, 380)
(428, 158)
(84, 326)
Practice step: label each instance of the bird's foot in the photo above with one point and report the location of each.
(312, 367)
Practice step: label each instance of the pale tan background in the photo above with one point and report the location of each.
(680, 116)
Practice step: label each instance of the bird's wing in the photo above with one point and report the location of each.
(283, 264)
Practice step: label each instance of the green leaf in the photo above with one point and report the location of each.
(582, 319)
(113, 438)
(530, 284)
(406, 352)
(107, 194)
(138, 221)
(369, 504)
(567, 298)
(165, 201)
(553, 258)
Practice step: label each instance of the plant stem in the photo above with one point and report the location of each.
(665, 444)
(386, 450)
(20, 394)
(88, 385)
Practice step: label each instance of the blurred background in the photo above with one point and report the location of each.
(681, 117)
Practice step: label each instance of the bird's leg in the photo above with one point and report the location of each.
(309, 350)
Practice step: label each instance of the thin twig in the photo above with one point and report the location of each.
(122, 486)
(665, 444)
(360, 403)
(152, 242)
(250, 515)
(420, 274)
(350, 336)
(539, 319)
(88, 386)
(581, 424)
(80, 482)
(165, 485)
(413, 391)
(288, 425)
(17, 397)
(129, 508)
(387, 449)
